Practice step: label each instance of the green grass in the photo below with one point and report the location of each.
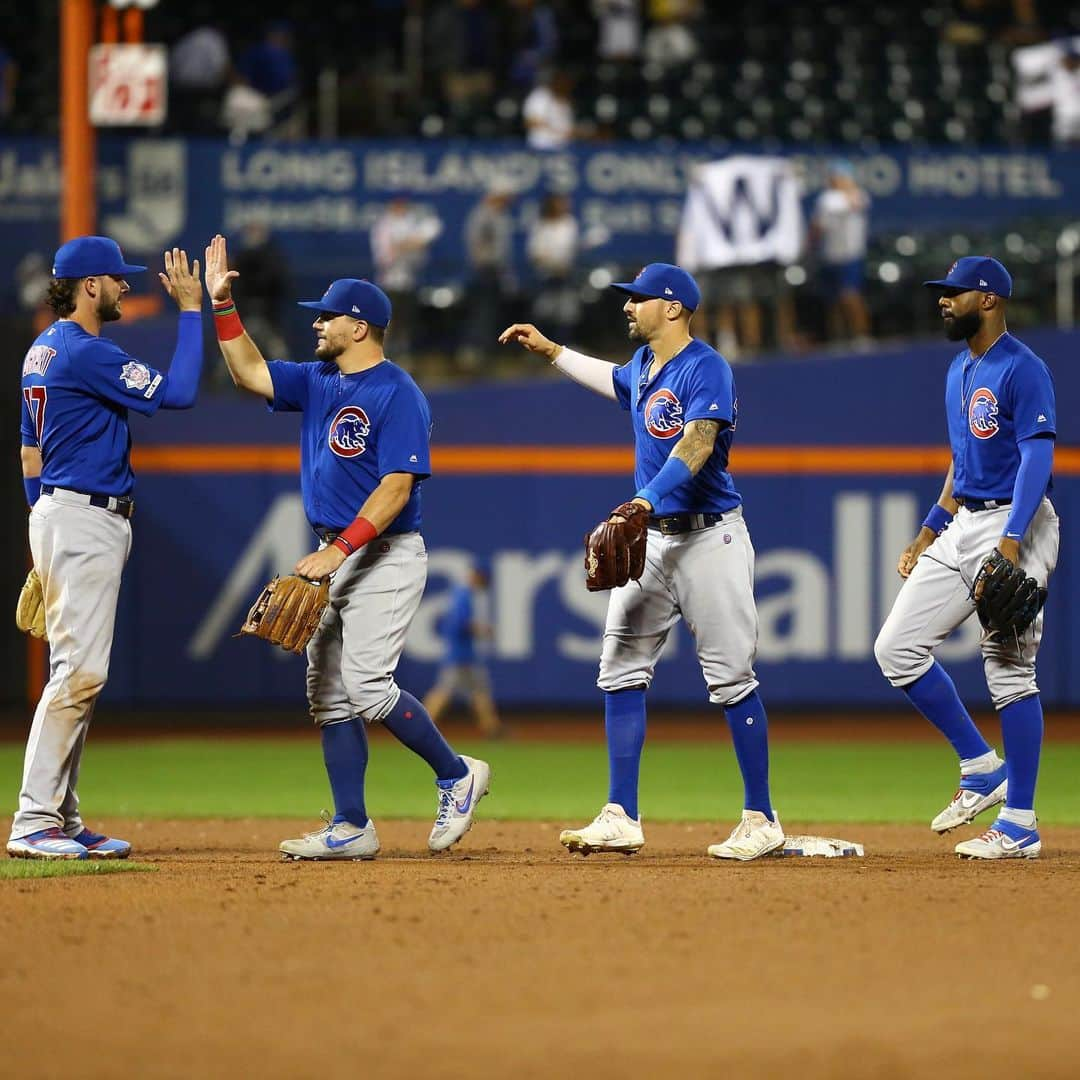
(268, 777)
(22, 869)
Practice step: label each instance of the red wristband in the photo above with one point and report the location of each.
(355, 536)
(226, 321)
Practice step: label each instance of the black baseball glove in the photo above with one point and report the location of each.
(1010, 601)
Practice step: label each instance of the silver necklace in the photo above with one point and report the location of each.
(971, 383)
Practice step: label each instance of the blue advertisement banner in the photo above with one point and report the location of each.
(320, 198)
(826, 557)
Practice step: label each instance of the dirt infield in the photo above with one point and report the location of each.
(510, 958)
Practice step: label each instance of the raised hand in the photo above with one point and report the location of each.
(219, 277)
(528, 337)
(180, 282)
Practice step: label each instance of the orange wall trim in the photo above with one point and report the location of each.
(582, 460)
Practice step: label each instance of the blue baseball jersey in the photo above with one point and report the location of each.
(356, 428)
(76, 392)
(457, 627)
(697, 384)
(993, 403)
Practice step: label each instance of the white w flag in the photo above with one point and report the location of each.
(740, 211)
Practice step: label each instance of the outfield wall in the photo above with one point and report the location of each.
(833, 492)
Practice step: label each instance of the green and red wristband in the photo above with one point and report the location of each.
(226, 320)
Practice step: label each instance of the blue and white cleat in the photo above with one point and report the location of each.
(1003, 840)
(46, 844)
(99, 846)
(977, 792)
(337, 839)
(457, 804)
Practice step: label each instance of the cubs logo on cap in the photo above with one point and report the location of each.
(91, 256)
(980, 273)
(357, 297)
(663, 281)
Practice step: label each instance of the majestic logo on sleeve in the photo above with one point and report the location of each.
(663, 414)
(349, 431)
(982, 414)
(135, 376)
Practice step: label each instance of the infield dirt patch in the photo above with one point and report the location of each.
(511, 958)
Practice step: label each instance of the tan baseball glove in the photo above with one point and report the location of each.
(288, 611)
(30, 611)
(615, 550)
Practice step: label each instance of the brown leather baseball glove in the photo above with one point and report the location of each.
(288, 612)
(615, 550)
(30, 612)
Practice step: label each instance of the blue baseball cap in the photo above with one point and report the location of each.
(89, 256)
(978, 272)
(662, 281)
(356, 297)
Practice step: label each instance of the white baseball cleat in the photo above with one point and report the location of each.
(611, 830)
(46, 844)
(977, 792)
(335, 840)
(755, 835)
(1003, 840)
(457, 804)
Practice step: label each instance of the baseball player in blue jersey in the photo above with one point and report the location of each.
(364, 453)
(77, 388)
(999, 403)
(463, 672)
(699, 561)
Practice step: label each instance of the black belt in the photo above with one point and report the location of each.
(683, 523)
(325, 534)
(975, 505)
(124, 505)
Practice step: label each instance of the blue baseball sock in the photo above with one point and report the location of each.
(1022, 734)
(934, 695)
(750, 734)
(345, 752)
(624, 724)
(408, 721)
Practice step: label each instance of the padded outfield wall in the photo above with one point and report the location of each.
(837, 460)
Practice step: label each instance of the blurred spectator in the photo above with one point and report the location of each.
(461, 52)
(977, 23)
(269, 68)
(263, 287)
(9, 76)
(463, 672)
(552, 250)
(549, 113)
(670, 41)
(245, 112)
(199, 69)
(33, 275)
(400, 239)
(839, 229)
(489, 232)
(1048, 77)
(619, 29)
(532, 38)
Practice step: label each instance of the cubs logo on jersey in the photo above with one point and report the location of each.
(982, 414)
(663, 414)
(349, 431)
